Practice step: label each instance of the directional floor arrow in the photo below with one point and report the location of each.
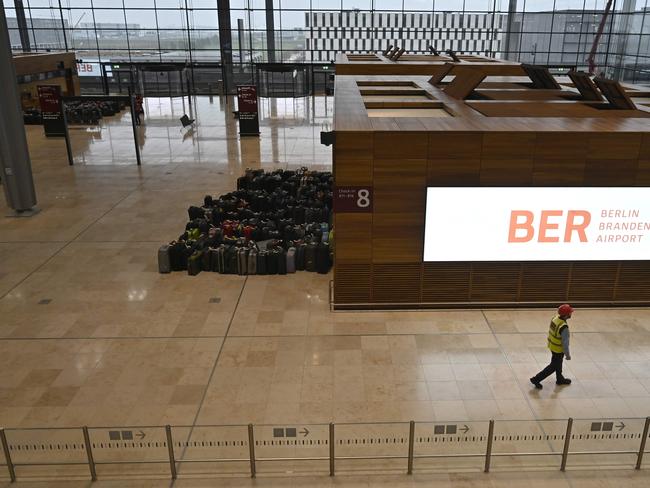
(464, 429)
(141, 435)
(304, 432)
(621, 426)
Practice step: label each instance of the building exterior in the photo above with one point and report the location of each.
(286, 32)
(328, 33)
(44, 34)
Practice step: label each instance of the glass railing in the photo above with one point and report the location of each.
(327, 449)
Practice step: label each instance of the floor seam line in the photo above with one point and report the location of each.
(232, 336)
(214, 367)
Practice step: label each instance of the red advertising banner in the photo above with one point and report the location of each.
(247, 107)
(49, 97)
(353, 199)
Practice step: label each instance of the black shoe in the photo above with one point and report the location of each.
(563, 381)
(537, 384)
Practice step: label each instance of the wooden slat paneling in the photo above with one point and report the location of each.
(445, 282)
(545, 281)
(455, 145)
(399, 185)
(396, 283)
(353, 145)
(352, 171)
(508, 145)
(397, 237)
(398, 144)
(561, 146)
(495, 282)
(592, 281)
(633, 281)
(506, 172)
(610, 172)
(353, 237)
(558, 172)
(453, 172)
(610, 145)
(644, 151)
(352, 283)
(643, 173)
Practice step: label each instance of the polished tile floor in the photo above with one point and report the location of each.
(91, 334)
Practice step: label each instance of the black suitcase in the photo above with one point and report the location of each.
(221, 259)
(282, 262)
(322, 258)
(178, 255)
(164, 263)
(231, 260)
(272, 262)
(214, 259)
(196, 213)
(206, 260)
(300, 257)
(310, 257)
(261, 262)
(299, 214)
(242, 261)
(194, 263)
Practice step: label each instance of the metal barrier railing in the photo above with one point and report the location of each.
(330, 441)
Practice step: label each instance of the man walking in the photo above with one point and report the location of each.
(558, 343)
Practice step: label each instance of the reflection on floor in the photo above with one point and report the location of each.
(289, 127)
(92, 334)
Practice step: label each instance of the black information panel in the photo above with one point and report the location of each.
(249, 124)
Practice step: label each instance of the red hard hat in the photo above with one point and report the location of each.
(565, 309)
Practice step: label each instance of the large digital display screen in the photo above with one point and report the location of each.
(537, 224)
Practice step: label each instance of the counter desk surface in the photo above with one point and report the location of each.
(497, 104)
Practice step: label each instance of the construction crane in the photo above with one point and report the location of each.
(591, 60)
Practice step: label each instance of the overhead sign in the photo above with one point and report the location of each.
(352, 199)
(89, 69)
(49, 97)
(537, 224)
(249, 124)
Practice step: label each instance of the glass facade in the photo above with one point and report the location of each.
(551, 32)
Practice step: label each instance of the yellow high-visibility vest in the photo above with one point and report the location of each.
(555, 334)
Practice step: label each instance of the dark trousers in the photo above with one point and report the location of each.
(555, 366)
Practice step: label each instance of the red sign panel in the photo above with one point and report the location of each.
(353, 199)
(49, 97)
(247, 98)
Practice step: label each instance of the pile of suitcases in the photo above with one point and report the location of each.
(274, 223)
(90, 112)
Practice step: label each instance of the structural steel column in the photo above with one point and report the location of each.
(270, 32)
(225, 43)
(17, 178)
(240, 39)
(22, 25)
(511, 38)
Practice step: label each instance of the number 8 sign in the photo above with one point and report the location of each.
(353, 199)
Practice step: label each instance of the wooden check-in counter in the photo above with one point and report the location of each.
(398, 135)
